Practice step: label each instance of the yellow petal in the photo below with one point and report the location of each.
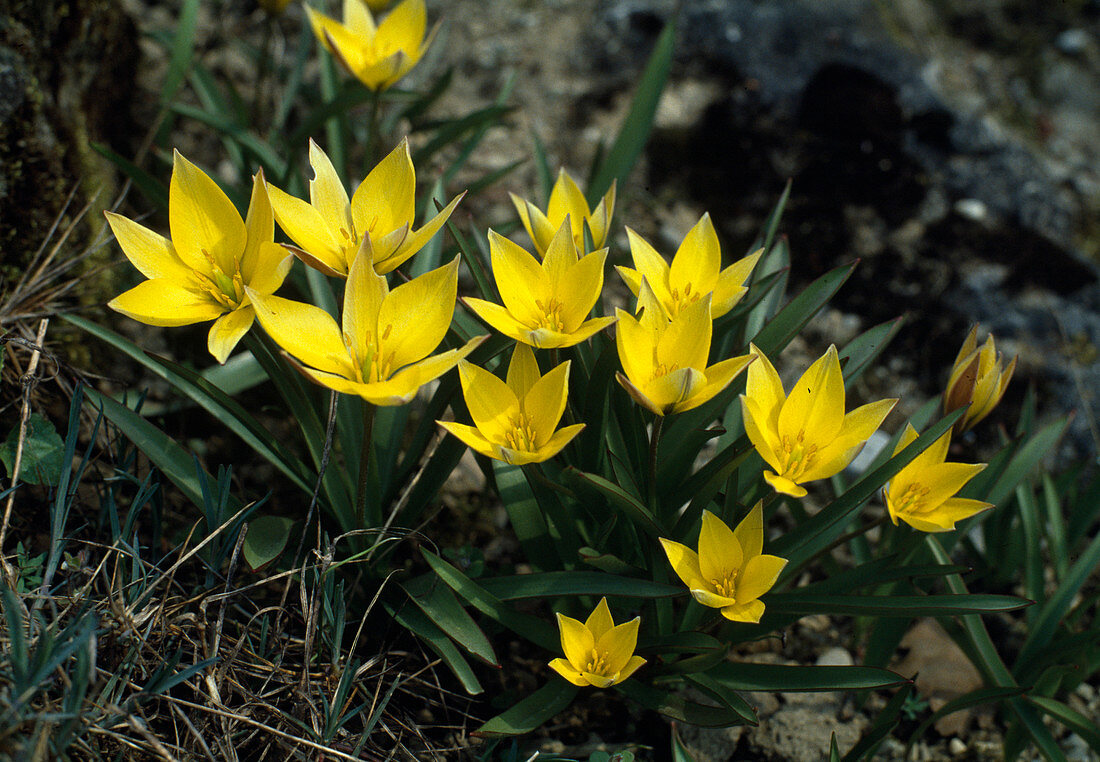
(599, 622)
(206, 227)
(227, 330)
(519, 278)
(558, 261)
(697, 261)
(631, 667)
(473, 439)
(358, 19)
(580, 289)
(717, 378)
(750, 532)
(676, 389)
(260, 229)
(269, 268)
(557, 442)
(750, 612)
(760, 433)
(523, 371)
(385, 250)
(165, 303)
(599, 681)
(632, 278)
(637, 347)
(386, 199)
(307, 332)
(577, 641)
(417, 239)
(784, 485)
(490, 401)
(651, 266)
(567, 200)
(545, 402)
(763, 387)
(936, 453)
(730, 286)
(685, 562)
(569, 672)
(945, 479)
(420, 313)
(617, 645)
(758, 576)
(327, 193)
(814, 409)
(858, 426)
(600, 221)
(364, 294)
(499, 318)
(403, 29)
(308, 229)
(686, 341)
(720, 554)
(707, 597)
(151, 253)
(404, 385)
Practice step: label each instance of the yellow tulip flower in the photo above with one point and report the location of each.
(729, 572)
(665, 361)
(805, 436)
(597, 652)
(377, 55)
(515, 419)
(213, 258)
(566, 202)
(381, 351)
(545, 304)
(695, 271)
(977, 379)
(922, 493)
(331, 231)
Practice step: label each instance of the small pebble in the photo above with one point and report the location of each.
(972, 209)
(835, 657)
(1072, 42)
(956, 747)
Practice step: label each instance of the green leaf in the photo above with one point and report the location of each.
(266, 539)
(531, 712)
(893, 605)
(676, 707)
(526, 517)
(570, 583)
(43, 452)
(532, 628)
(417, 622)
(183, 50)
(680, 752)
(152, 188)
(885, 722)
(1080, 724)
(438, 601)
(617, 496)
(861, 351)
(967, 700)
(724, 696)
(787, 324)
(628, 145)
(1024, 461)
(743, 676)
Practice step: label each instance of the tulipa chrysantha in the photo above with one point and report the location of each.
(729, 572)
(332, 230)
(694, 273)
(545, 304)
(376, 54)
(978, 380)
(805, 436)
(382, 350)
(514, 420)
(597, 652)
(212, 264)
(665, 361)
(922, 494)
(566, 202)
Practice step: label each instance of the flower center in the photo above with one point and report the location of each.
(551, 314)
(522, 434)
(597, 663)
(912, 499)
(227, 290)
(680, 302)
(727, 585)
(799, 456)
(378, 364)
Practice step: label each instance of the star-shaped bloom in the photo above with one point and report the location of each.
(597, 652)
(331, 230)
(694, 273)
(377, 55)
(382, 350)
(545, 304)
(978, 379)
(805, 436)
(514, 420)
(665, 361)
(566, 202)
(213, 258)
(923, 493)
(729, 572)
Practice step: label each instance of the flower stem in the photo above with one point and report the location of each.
(654, 440)
(372, 126)
(364, 464)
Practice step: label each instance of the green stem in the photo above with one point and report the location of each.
(364, 464)
(373, 125)
(259, 93)
(654, 440)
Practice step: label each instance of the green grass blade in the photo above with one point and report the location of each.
(1080, 724)
(438, 601)
(893, 605)
(153, 189)
(628, 145)
(183, 51)
(742, 676)
(572, 583)
(417, 622)
(533, 711)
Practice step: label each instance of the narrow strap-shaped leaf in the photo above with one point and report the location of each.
(630, 141)
(893, 605)
(743, 676)
(616, 495)
(570, 583)
(967, 700)
(438, 601)
(724, 695)
(417, 622)
(1080, 724)
(859, 353)
(532, 628)
(542, 168)
(790, 320)
(531, 712)
(152, 188)
(676, 707)
(525, 516)
(885, 721)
